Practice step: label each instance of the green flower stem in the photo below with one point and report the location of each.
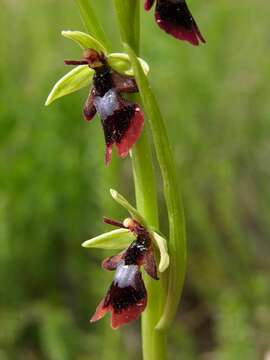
(177, 243)
(145, 186)
(153, 340)
(128, 15)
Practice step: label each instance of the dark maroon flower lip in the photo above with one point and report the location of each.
(122, 120)
(175, 18)
(126, 298)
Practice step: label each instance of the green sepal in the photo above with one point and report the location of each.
(161, 244)
(79, 77)
(121, 63)
(85, 41)
(112, 240)
(133, 212)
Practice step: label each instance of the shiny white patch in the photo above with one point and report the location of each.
(107, 104)
(125, 275)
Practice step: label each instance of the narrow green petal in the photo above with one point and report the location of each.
(113, 240)
(121, 63)
(74, 80)
(84, 40)
(133, 212)
(161, 244)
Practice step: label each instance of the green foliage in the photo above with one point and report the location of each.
(91, 22)
(215, 100)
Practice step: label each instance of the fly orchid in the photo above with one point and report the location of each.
(122, 120)
(111, 77)
(126, 297)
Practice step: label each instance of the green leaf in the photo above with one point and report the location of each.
(84, 40)
(121, 63)
(133, 212)
(128, 15)
(113, 240)
(74, 80)
(91, 22)
(161, 244)
(177, 243)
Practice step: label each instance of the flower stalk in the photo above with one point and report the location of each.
(177, 243)
(153, 340)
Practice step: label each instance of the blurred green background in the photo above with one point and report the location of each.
(54, 185)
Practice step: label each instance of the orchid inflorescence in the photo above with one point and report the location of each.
(122, 120)
(110, 77)
(127, 297)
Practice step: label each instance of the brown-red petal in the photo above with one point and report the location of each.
(89, 109)
(111, 262)
(149, 264)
